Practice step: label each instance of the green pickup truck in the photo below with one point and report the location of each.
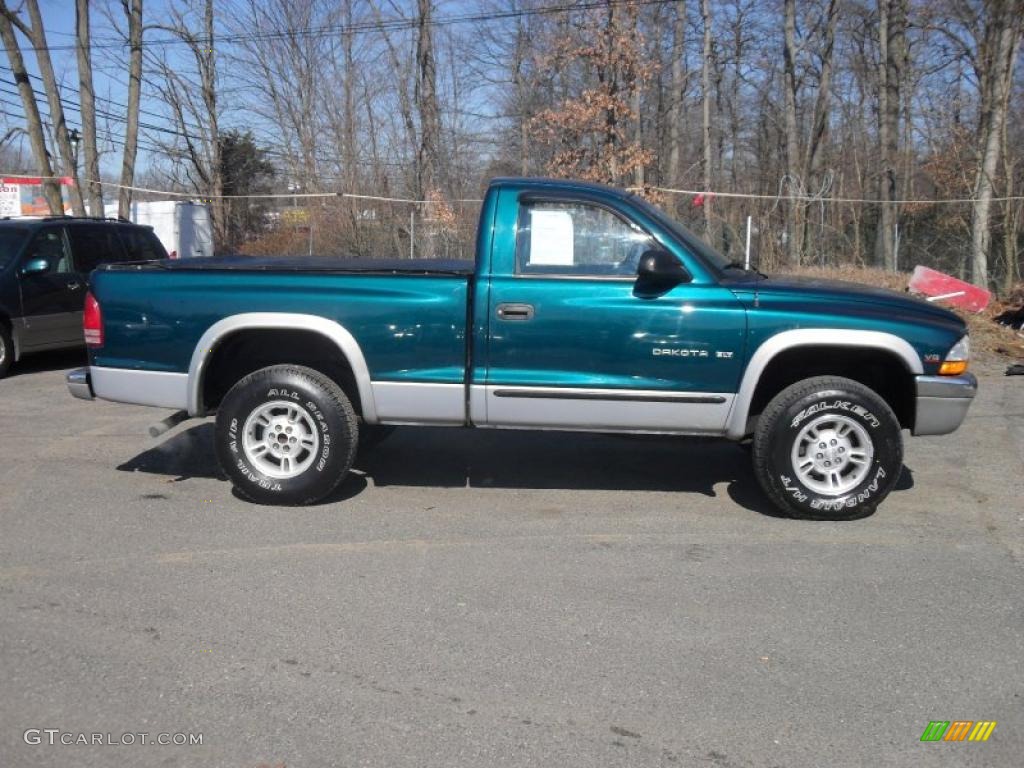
(587, 308)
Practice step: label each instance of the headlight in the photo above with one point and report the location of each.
(957, 358)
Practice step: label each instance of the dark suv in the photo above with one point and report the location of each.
(44, 274)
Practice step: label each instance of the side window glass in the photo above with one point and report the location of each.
(51, 246)
(577, 239)
(95, 245)
(141, 244)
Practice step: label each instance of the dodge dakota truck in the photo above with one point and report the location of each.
(587, 308)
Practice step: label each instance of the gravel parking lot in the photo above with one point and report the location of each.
(485, 599)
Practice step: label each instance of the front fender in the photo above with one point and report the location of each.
(736, 422)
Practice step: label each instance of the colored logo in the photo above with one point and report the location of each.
(958, 730)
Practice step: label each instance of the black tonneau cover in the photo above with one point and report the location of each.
(332, 264)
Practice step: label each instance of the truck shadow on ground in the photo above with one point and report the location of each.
(519, 459)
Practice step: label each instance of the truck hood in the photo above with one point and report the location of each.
(836, 293)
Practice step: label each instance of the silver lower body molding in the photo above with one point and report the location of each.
(156, 388)
(419, 403)
(610, 410)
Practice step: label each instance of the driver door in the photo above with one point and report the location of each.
(51, 298)
(572, 346)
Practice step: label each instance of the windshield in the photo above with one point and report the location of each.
(11, 240)
(693, 243)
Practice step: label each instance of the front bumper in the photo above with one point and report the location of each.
(80, 383)
(942, 403)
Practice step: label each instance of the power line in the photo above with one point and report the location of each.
(108, 135)
(47, 120)
(110, 102)
(366, 26)
(103, 114)
(364, 161)
(159, 149)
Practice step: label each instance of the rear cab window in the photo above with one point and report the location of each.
(95, 244)
(141, 244)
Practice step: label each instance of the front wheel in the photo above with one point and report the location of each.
(828, 448)
(286, 435)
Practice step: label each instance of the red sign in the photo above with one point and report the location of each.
(34, 180)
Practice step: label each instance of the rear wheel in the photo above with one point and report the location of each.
(828, 448)
(286, 435)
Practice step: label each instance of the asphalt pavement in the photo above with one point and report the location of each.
(481, 598)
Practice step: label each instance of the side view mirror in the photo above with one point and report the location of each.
(658, 273)
(35, 267)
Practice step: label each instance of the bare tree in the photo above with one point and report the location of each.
(133, 12)
(892, 66)
(804, 166)
(677, 96)
(87, 108)
(519, 79)
(706, 138)
(795, 230)
(816, 143)
(1011, 215)
(349, 83)
(34, 123)
(403, 71)
(36, 34)
(998, 43)
(291, 69)
(192, 97)
(429, 152)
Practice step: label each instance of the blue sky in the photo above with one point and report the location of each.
(110, 80)
(110, 71)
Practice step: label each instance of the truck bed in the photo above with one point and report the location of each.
(408, 317)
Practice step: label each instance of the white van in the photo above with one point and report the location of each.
(185, 228)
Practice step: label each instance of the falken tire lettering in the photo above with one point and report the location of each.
(844, 405)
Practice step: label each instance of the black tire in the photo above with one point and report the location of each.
(785, 422)
(325, 418)
(6, 350)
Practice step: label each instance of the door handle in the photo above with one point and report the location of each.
(74, 286)
(515, 311)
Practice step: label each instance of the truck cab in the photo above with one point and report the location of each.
(594, 314)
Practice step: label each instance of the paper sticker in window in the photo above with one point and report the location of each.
(551, 238)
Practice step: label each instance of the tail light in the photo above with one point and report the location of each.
(92, 322)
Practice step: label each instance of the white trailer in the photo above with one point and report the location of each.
(185, 228)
